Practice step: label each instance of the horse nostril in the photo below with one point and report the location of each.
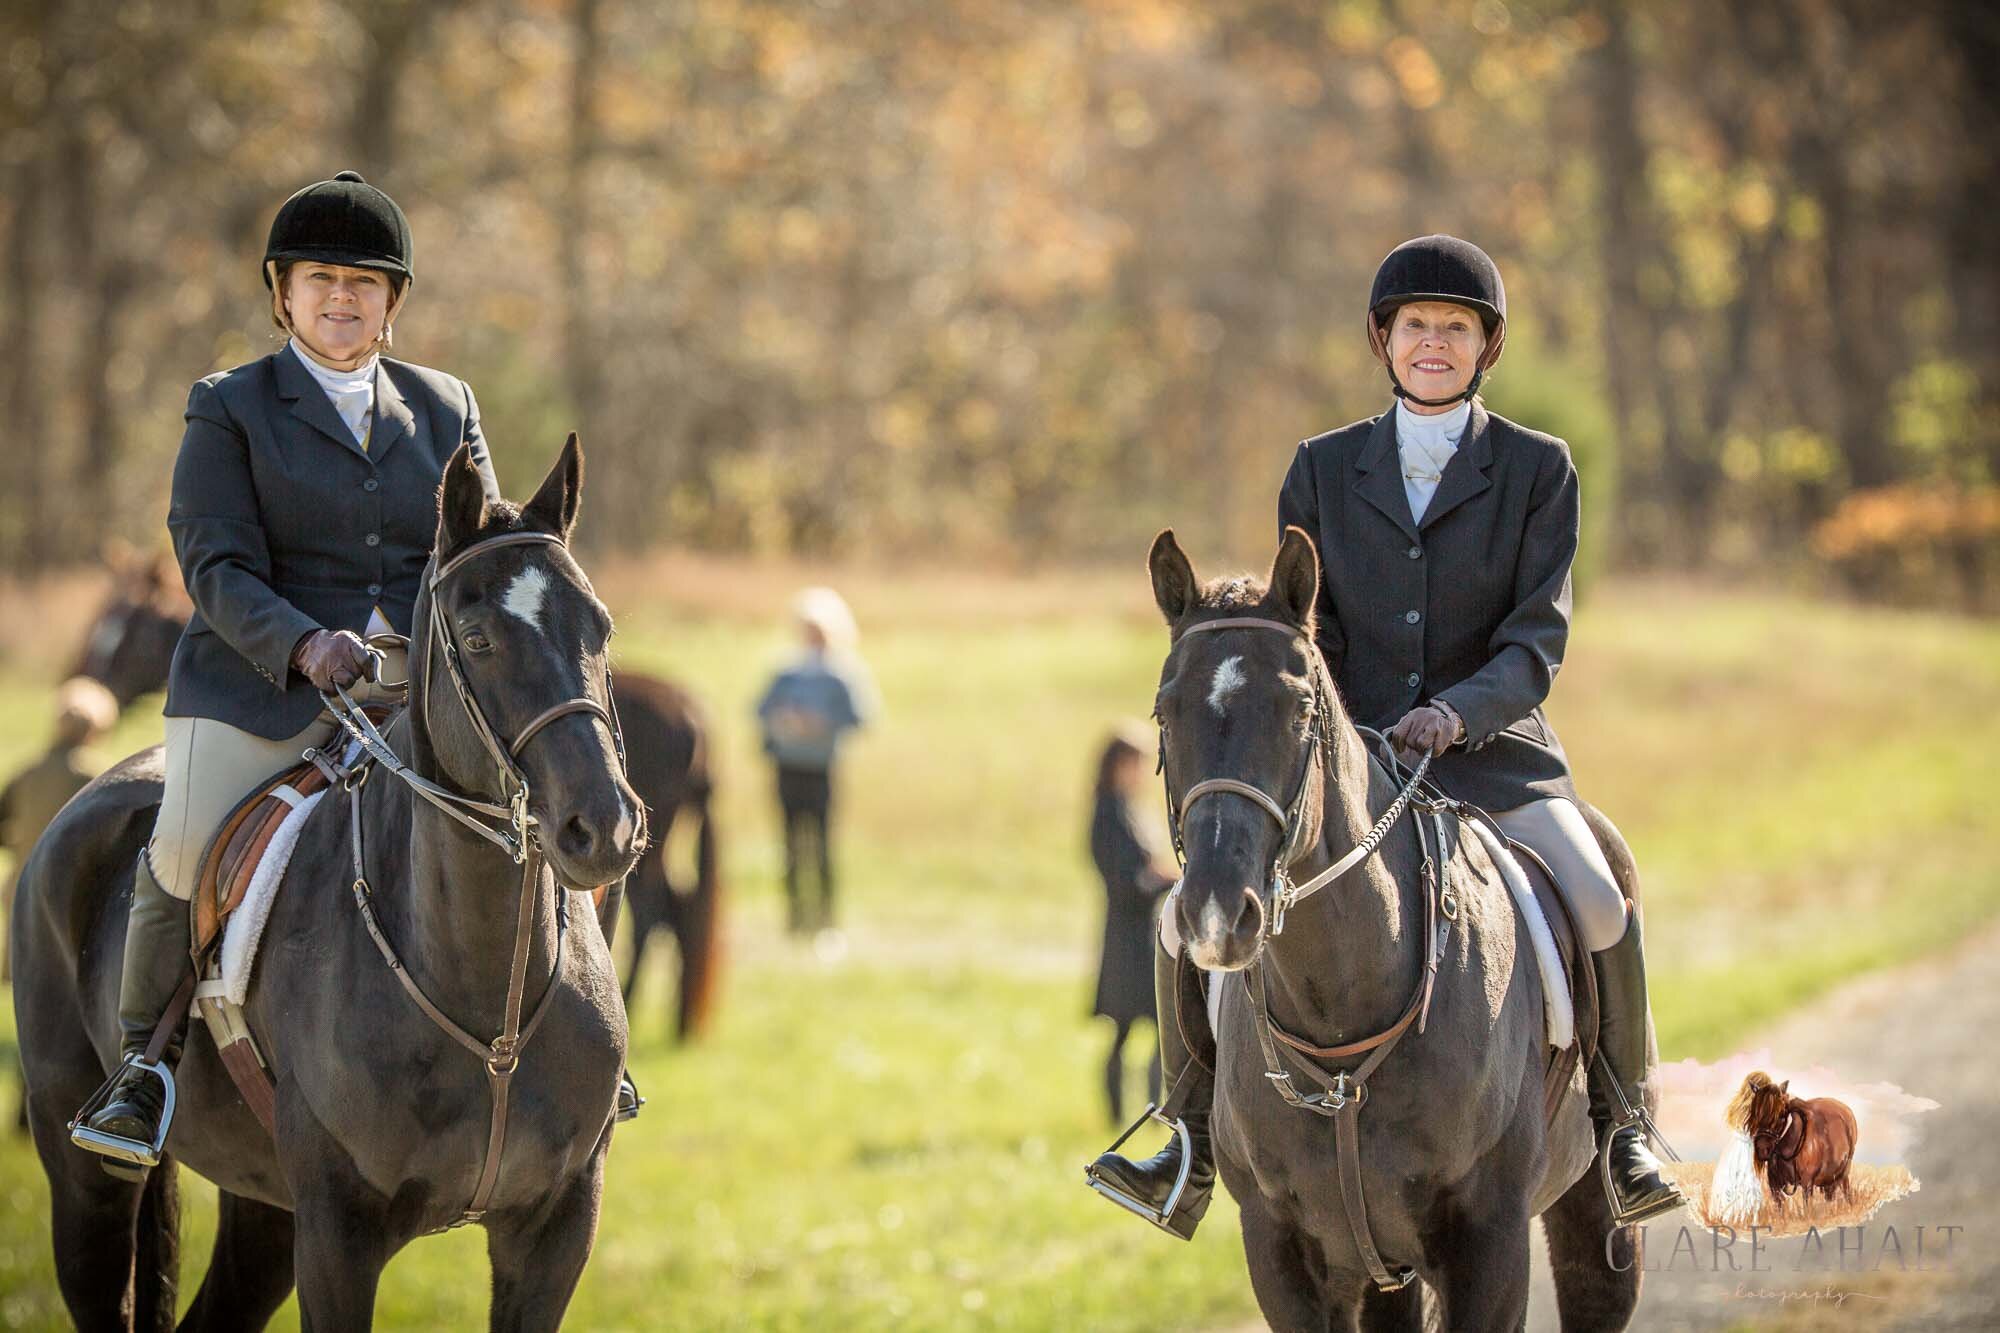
(577, 839)
(1252, 914)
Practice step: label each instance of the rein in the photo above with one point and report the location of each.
(1342, 1094)
(520, 837)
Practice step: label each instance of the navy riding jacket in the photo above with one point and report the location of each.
(1470, 605)
(284, 525)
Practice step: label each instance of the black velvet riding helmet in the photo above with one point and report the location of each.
(342, 221)
(1438, 268)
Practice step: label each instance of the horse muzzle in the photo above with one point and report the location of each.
(1222, 925)
(595, 845)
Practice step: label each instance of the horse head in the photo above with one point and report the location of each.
(528, 634)
(1764, 1105)
(131, 640)
(1243, 705)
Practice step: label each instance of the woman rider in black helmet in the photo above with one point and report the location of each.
(1443, 612)
(303, 512)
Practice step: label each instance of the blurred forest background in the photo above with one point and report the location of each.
(1023, 280)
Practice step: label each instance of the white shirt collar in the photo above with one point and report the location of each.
(352, 392)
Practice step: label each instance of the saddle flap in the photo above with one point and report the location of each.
(231, 857)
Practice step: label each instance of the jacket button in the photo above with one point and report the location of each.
(1416, 553)
(373, 539)
(371, 484)
(374, 590)
(1414, 680)
(1412, 617)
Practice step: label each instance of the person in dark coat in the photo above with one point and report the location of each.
(1134, 883)
(303, 510)
(1446, 535)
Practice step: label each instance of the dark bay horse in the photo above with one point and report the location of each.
(130, 646)
(1803, 1144)
(670, 761)
(1453, 1156)
(383, 1120)
(130, 643)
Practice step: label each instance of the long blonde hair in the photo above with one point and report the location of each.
(1738, 1114)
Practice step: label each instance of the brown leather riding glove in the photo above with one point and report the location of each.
(329, 657)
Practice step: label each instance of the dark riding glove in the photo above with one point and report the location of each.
(1426, 730)
(328, 657)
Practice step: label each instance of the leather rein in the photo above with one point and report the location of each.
(1343, 1093)
(519, 836)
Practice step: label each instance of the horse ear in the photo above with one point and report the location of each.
(1174, 584)
(461, 501)
(1295, 576)
(555, 504)
(1785, 1088)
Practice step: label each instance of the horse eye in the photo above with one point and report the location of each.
(475, 642)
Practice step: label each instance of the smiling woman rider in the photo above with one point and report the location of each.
(303, 511)
(1446, 534)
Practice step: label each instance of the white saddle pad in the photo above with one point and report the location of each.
(1555, 992)
(245, 927)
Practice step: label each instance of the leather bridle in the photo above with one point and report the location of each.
(519, 836)
(1298, 830)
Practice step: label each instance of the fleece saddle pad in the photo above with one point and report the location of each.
(1557, 1005)
(239, 846)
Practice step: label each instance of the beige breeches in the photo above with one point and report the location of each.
(210, 767)
(1556, 830)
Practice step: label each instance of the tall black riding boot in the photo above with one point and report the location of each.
(1630, 1171)
(156, 960)
(1171, 1189)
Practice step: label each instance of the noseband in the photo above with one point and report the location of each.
(1296, 833)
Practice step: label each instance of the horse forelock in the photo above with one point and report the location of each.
(1241, 595)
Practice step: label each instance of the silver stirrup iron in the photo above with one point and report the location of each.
(137, 1152)
(1127, 1202)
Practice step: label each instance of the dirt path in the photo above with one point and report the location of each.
(1930, 1027)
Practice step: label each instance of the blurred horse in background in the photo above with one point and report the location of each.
(131, 640)
(669, 761)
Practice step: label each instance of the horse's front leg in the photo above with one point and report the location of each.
(1288, 1274)
(1483, 1257)
(342, 1230)
(338, 1253)
(538, 1257)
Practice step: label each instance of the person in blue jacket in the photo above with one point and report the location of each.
(806, 712)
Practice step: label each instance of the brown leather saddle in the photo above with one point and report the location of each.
(230, 861)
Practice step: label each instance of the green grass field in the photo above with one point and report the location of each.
(891, 1134)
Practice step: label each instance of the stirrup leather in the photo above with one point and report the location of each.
(137, 1152)
(1158, 1217)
